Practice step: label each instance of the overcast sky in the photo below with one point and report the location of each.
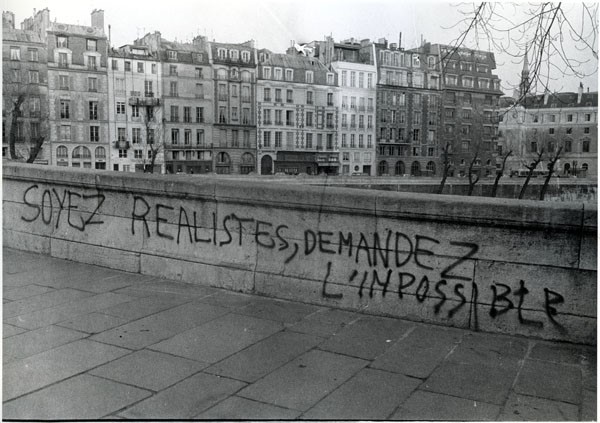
(273, 24)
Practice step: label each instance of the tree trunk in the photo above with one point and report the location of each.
(441, 187)
(16, 113)
(35, 150)
(524, 187)
(549, 175)
(500, 174)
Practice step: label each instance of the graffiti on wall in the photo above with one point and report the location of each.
(388, 263)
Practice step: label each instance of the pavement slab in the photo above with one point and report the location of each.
(479, 381)
(369, 395)
(25, 291)
(67, 311)
(42, 301)
(142, 307)
(589, 406)
(528, 408)
(265, 356)
(148, 369)
(281, 311)
(236, 408)
(422, 405)
(36, 341)
(420, 352)
(10, 330)
(93, 322)
(367, 337)
(185, 399)
(219, 338)
(325, 322)
(230, 299)
(74, 399)
(540, 379)
(37, 371)
(476, 346)
(163, 286)
(304, 381)
(561, 353)
(160, 326)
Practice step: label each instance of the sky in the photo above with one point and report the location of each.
(274, 24)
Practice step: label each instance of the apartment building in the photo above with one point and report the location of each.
(135, 110)
(233, 68)
(186, 102)
(469, 107)
(77, 90)
(297, 116)
(24, 93)
(408, 111)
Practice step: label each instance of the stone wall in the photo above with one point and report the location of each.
(497, 265)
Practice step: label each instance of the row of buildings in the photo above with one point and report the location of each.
(351, 107)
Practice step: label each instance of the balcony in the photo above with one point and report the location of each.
(64, 65)
(148, 94)
(144, 101)
(246, 99)
(122, 145)
(361, 108)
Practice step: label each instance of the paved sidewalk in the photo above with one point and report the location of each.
(85, 342)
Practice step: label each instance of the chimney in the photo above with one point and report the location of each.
(546, 96)
(580, 92)
(8, 20)
(400, 40)
(98, 19)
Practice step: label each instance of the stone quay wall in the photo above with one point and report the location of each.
(488, 264)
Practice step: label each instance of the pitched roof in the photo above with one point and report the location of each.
(295, 62)
(21, 35)
(558, 100)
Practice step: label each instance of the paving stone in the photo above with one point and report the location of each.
(74, 399)
(149, 369)
(93, 322)
(159, 326)
(369, 395)
(325, 322)
(47, 300)
(133, 292)
(21, 292)
(146, 306)
(29, 374)
(219, 338)
(229, 299)
(281, 311)
(589, 406)
(481, 380)
(541, 379)
(304, 381)
(560, 353)
(186, 399)
(527, 408)
(422, 405)
(489, 347)
(101, 283)
(36, 341)
(236, 408)
(366, 338)
(10, 330)
(420, 352)
(61, 312)
(165, 286)
(265, 356)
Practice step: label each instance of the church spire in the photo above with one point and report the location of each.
(524, 84)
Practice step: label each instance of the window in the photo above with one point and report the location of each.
(278, 95)
(309, 97)
(33, 55)
(266, 73)
(222, 114)
(416, 135)
(137, 154)
(172, 54)
(278, 73)
(174, 136)
(198, 73)
(199, 114)
(588, 117)
(93, 110)
(187, 114)
(174, 113)
(585, 146)
(121, 135)
(140, 67)
(290, 96)
(330, 99)
(114, 64)
(92, 62)
(267, 139)
(187, 137)
(136, 135)
(329, 79)
(370, 80)
(92, 84)
(267, 94)
(586, 130)
(309, 118)
(246, 116)
(533, 147)
(451, 79)
(234, 90)
(551, 131)
(568, 146)
(63, 60)
(62, 41)
(245, 56)
(123, 155)
(173, 89)
(135, 111)
(91, 45)
(200, 137)
(289, 74)
(34, 77)
(416, 61)
(120, 107)
(353, 79)
(64, 109)
(65, 133)
(278, 137)
(289, 118)
(150, 136)
(417, 99)
(172, 69)
(234, 113)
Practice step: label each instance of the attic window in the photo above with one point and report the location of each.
(172, 54)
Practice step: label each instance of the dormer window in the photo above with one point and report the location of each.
(309, 77)
(245, 56)
(91, 45)
(172, 55)
(289, 74)
(278, 73)
(329, 79)
(416, 61)
(234, 54)
(62, 42)
(431, 62)
(222, 53)
(267, 73)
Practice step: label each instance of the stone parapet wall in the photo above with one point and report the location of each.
(497, 265)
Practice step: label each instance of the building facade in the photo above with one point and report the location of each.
(551, 124)
(135, 110)
(408, 111)
(186, 101)
(234, 89)
(24, 93)
(296, 116)
(77, 90)
(470, 108)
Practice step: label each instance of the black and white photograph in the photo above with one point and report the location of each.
(336, 210)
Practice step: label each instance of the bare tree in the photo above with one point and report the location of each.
(551, 165)
(531, 167)
(154, 132)
(446, 167)
(559, 38)
(473, 176)
(500, 173)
